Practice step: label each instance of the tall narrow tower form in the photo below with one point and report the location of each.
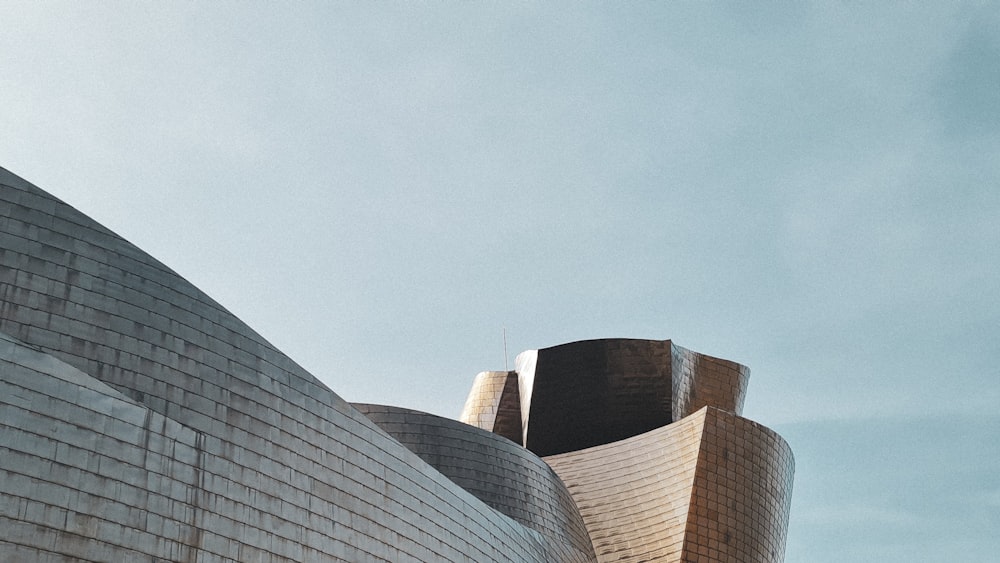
(141, 421)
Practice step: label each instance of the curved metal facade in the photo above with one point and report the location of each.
(648, 439)
(711, 487)
(148, 423)
(498, 472)
(139, 420)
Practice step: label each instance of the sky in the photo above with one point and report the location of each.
(383, 190)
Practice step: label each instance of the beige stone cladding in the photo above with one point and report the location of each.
(142, 421)
(713, 487)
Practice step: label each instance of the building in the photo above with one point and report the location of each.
(141, 421)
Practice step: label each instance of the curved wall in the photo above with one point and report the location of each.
(634, 494)
(139, 420)
(648, 439)
(711, 487)
(704, 381)
(594, 392)
(89, 474)
(742, 492)
(284, 469)
(497, 471)
(494, 404)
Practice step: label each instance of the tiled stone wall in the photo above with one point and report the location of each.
(284, 469)
(87, 473)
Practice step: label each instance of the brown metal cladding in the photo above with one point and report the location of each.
(711, 487)
(647, 437)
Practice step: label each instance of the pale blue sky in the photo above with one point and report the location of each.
(812, 190)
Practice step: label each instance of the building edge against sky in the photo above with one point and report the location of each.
(140, 420)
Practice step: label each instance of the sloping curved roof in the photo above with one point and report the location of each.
(141, 420)
(239, 453)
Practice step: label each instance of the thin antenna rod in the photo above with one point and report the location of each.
(505, 349)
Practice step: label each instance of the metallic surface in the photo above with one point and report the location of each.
(711, 487)
(141, 421)
(498, 472)
(594, 392)
(494, 404)
(648, 439)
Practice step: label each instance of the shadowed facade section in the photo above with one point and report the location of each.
(593, 392)
(635, 494)
(596, 392)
